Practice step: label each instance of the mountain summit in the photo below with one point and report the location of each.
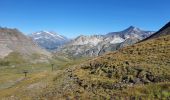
(131, 32)
(48, 40)
(132, 28)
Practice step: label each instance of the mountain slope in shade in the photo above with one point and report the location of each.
(12, 40)
(132, 67)
(165, 30)
(48, 40)
(99, 44)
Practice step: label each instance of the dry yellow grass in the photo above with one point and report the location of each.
(147, 62)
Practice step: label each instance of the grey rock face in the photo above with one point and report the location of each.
(98, 44)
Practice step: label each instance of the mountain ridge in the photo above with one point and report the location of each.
(165, 30)
(96, 45)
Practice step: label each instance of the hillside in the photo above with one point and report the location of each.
(165, 30)
(13, 41)
(140, 71)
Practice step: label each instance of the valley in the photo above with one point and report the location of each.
(14, 85)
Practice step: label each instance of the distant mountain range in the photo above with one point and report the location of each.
(48, 40)
(98, 44)
(12, 40)
(82, 46)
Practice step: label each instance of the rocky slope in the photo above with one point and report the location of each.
(48, 40)
(163, 31)
(12, 40)
(99, 44)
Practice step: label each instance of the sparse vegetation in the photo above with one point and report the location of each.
(140, 71)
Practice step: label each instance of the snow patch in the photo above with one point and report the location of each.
(36, 38)
(54, 35)
(38, 33)
(91, 40)
(117, 40)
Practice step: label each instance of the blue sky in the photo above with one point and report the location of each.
(74, 17)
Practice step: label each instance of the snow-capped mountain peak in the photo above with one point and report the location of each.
(48, 34)
(49, 40)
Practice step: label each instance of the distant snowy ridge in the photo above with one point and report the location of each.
(48, 40)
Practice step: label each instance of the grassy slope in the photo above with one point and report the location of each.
(115, 74)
